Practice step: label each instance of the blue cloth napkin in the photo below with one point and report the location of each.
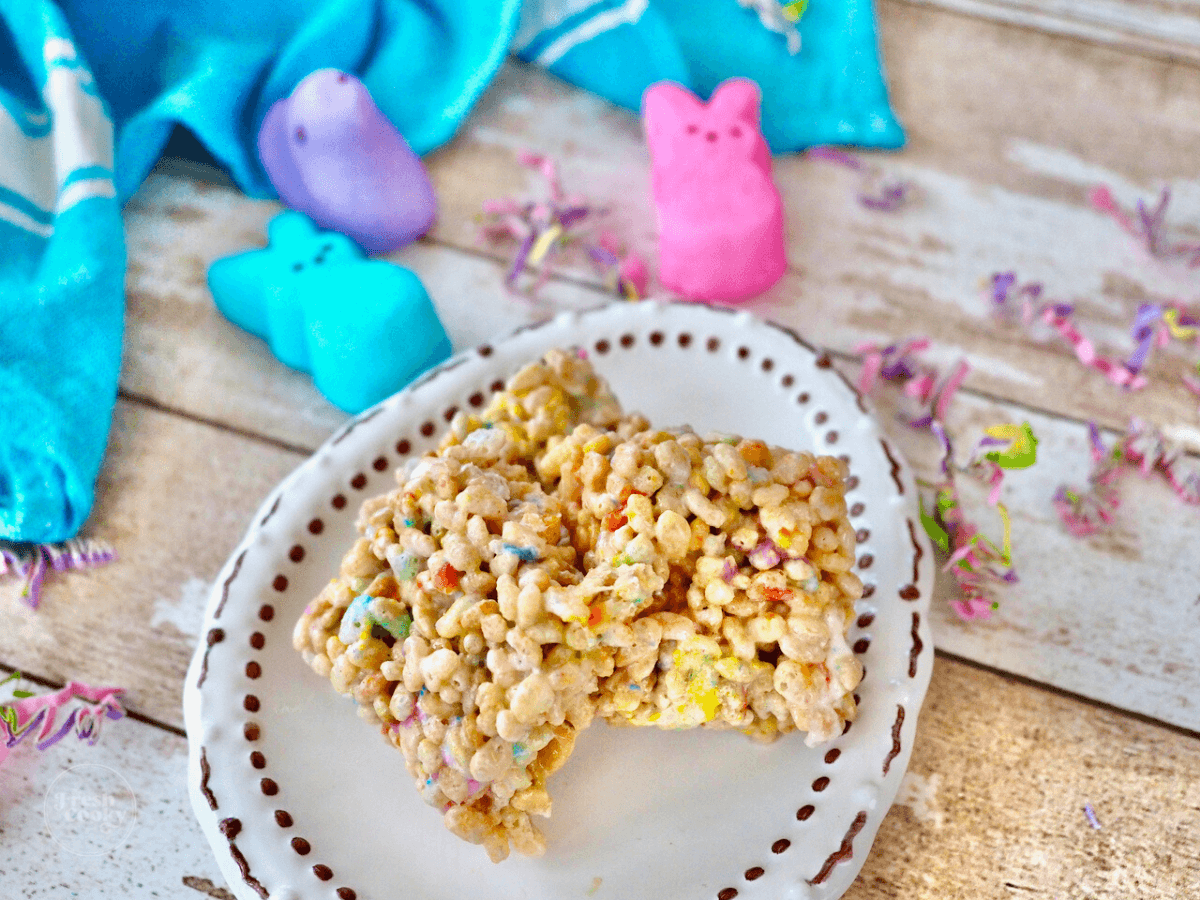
(62, 266)
(74, 72)
(821, 78)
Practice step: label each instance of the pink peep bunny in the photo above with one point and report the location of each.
(720, 216)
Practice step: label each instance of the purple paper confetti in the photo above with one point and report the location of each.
(32, 561)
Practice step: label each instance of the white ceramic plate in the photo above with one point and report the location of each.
(302, 799)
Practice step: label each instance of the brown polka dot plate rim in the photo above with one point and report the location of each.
(301, 799)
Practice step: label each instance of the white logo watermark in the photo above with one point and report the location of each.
(90, 809)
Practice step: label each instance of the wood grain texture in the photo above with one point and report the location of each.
(1008, 128)
(1115, 616)
(1169, 28)
(174, 499)
(1111, 617)
(992, 805)
(182, 354)
(164, 853)
(1007, 133)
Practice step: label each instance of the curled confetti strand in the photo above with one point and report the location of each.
(548, 169)
(1144, 448)
(897, 362)
(1005, 291)
(952, 384)
(36, 717)
(975, 563)
(1018, 442)
(625, 271)
(542, 231)
(1087, 513)
(1181, 325)
(1102, 200)
(1150, 226)
(33, 561)
(1155, 326)
(1115, 372)
(877, 192)
(872, 366)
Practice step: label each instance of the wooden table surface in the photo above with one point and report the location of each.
(1084, 688)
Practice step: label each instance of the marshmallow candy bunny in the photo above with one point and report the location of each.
(720, 216)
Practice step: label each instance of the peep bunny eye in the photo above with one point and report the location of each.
(692, 129)
(735, 132)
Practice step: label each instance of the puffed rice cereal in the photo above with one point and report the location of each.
(758, 542)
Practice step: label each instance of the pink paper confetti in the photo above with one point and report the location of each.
(1149, 228)
(544, 232)
(37, 717)
(1007, 295)
(1144, 449)
(32, 561)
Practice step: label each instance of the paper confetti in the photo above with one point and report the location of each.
(1009, 296)
(1149, 227)
(877, 191)
(37, 716)
(1091, 816)
(781, 17)
(977, 564)
(1088, 509)
(32, 561)
(1144, 449)
(544, 232)
(1154, 325)
(1020, 446)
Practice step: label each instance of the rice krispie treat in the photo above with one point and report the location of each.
(462, 625)
(756, 542)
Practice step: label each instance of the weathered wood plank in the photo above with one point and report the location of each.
(993, 803)
(992, 806)
(1112, 617)
(180, 352)
(1169, 28)
(174, 498)
(1115, 616)
(141, 839)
